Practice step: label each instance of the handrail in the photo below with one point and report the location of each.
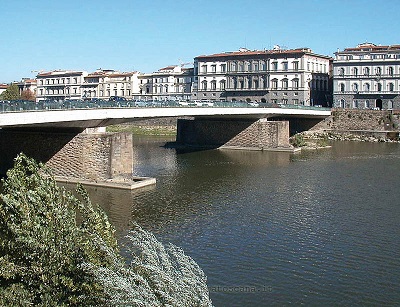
(31, 106)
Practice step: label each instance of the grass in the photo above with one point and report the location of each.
(143, 130)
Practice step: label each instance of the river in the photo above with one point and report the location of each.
(316, 228)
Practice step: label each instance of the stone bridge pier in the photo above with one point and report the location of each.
(248, 134)
(70, 153)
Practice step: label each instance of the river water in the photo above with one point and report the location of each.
(315, 228)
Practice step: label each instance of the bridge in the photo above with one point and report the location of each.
(52, 132)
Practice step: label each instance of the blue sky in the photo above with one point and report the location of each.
(146, 35)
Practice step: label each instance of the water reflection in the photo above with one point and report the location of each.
(315, 228)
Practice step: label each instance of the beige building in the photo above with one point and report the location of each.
(296, 76)
(367, 76)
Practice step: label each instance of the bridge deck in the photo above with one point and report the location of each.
(90, 118)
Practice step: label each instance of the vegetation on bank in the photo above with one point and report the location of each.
(58, 249)
(144, 130)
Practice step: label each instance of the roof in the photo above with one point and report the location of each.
(59, 72)
(246, 52)
(370, 47)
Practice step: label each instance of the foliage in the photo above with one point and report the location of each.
(28, 95)
(57, 249)
(298, 140)
(11, 93)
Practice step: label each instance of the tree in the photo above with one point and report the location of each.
(11, 93)
(58, 249)
(28, 95)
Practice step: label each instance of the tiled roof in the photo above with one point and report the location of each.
(257, 52)
(372, 47)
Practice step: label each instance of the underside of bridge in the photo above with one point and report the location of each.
(103, 156)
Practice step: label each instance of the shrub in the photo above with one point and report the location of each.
(57, 249)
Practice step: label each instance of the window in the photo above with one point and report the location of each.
(341, 71)
(204, 68)
(241, 84)
(285, 84)
(256, 66)
(366, 87)
(213, 85)
(223, 67)
(391, 87)
(274, 84)
(355, 104)
(284, 65)
(390, 71)
(295, 84)
(274, 65)
(379, 87)
(295, 101)
(355, 87)
(367, 104)
(241, 66)
(256, 84)
(233, 66)
(366, 71)
(296, 65)
(355, 71)
(213, 68)
(222, 85)
(342, 87)
(204, 85)
(378, 71)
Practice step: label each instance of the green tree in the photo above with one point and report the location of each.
(11, 93)
(58, 249)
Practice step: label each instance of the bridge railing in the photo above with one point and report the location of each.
(29, 106)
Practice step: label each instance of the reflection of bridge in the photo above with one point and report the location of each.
(51, 133)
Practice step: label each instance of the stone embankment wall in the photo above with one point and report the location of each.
(363, 125)
(347, 120)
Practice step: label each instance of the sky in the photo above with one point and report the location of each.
(146, 35)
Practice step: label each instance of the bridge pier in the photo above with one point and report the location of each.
(70, 154)
(244, 134)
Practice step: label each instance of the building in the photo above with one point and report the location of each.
(103, 84)
(367, 76)
(3, 88)
(59, 85)
(168, 83)
(295, 76)
(27, 88)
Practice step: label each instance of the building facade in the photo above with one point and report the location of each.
(168, 83)
(59, 85)
(296, 76)
(103, 84)
(367, 76)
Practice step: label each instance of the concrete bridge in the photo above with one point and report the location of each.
(53, 135)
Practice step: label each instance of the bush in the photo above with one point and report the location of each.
(298, 140)
(57, 249)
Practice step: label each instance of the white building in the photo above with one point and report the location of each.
(103, 84)
(296, 76)
(367, 76)
(59, 85)
(168, 83)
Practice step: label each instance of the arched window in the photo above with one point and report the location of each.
(295, 84)
(390, 104)
(366, 71)
(379, 87)
(342, 103)
(391, 87)
(390, 71)
(166, 88)
(213, 85)
(378, 71)
(222, 85)
(342, 87)
(274, 84)
(341, 72)
(366, 87)
(355, 87)
(285, 84)
(355, 71)
(204, 85)
(367, 105)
